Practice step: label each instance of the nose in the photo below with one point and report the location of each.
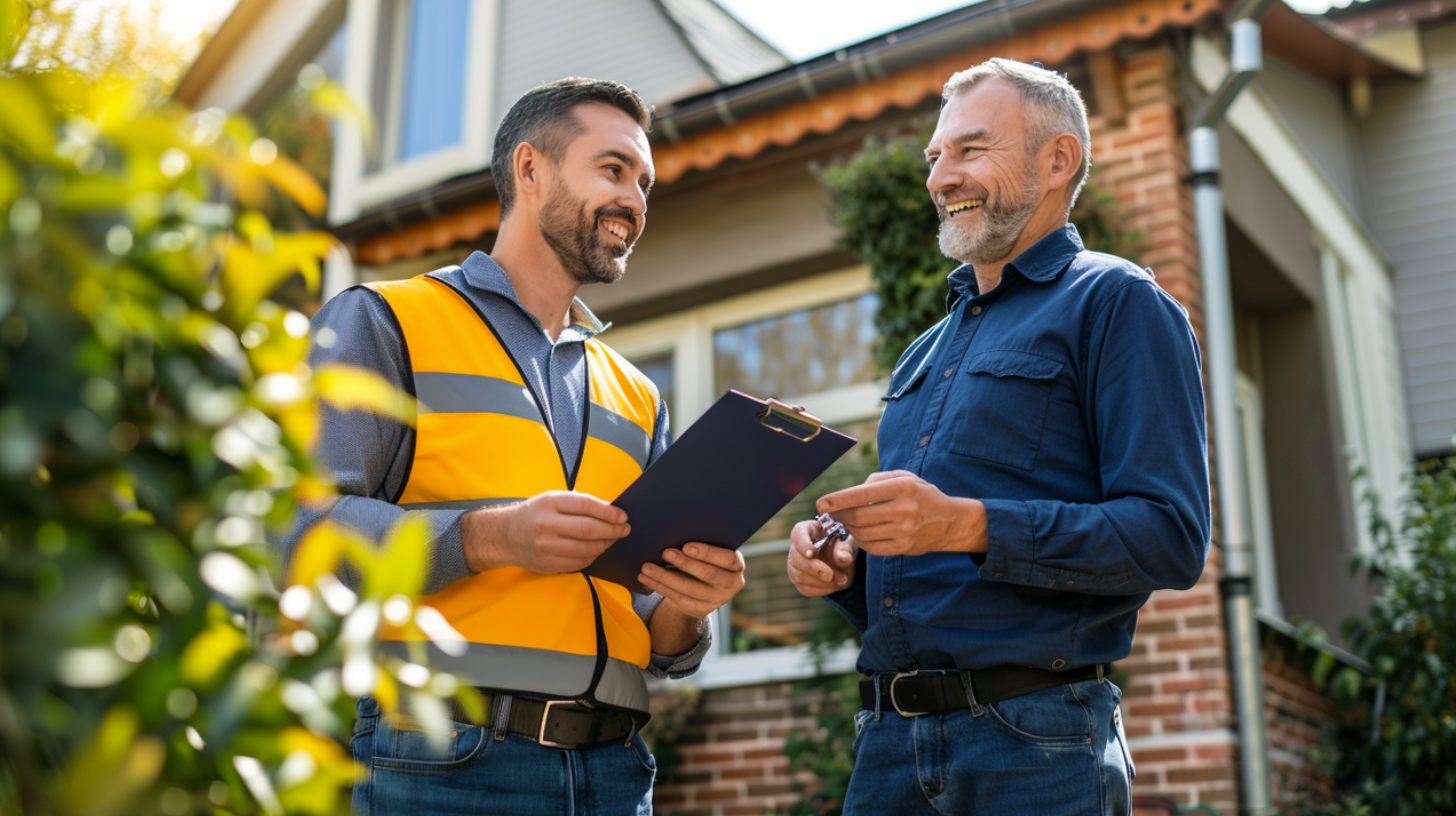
(942, 177)
(634, 199)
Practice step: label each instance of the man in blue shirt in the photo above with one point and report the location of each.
(1044, 471)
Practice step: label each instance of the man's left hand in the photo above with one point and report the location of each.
(706, 578)
(899, 513)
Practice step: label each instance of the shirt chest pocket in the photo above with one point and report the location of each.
(1000, 406)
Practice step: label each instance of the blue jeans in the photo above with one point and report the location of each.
(1057, 752)
(479, 774)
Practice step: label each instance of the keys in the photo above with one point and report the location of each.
(833, 531)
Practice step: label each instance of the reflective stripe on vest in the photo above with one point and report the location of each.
(481, 440)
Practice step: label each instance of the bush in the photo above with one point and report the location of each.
(1396, 751)
(154, 418)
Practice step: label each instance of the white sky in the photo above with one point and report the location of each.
(800, 28)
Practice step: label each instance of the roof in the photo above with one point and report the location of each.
(729, 49)
(908, 74)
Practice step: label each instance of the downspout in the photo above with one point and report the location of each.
(1245, 60)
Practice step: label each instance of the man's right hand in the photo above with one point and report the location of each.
(829, 570)
(553, 532)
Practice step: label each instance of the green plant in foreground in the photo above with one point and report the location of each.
(1396, 750)
(155, 412)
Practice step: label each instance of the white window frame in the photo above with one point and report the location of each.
(356, 189)
(1256, 484)
(689, 336)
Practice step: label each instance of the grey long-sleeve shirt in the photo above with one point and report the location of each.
(369, 455)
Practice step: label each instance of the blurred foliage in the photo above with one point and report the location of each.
(1395, 750)
(824, 751)
(672, 705)
(155, 414)
(878, 200)
(97, 40)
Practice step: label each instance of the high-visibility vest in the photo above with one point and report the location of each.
(482, 439)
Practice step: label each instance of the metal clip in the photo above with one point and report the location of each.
(789, 420)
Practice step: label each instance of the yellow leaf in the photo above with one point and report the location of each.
(296, 183)
(13, 27)
(11, 185)
(325, 751)
(401, 563)
(28, 120)
(356, 389)
(209, 653)
(299, 422)
(116, 763)
(386, 693)
(319, 551)
(331, 100)
(94, 193)
(250, 275)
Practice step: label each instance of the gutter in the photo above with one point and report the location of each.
(1245, 61)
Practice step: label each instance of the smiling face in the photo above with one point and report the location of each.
(597, 204)
(984, 182)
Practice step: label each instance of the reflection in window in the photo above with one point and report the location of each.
(658, 368)
(420, 87)
(800, 353)
(769, 612)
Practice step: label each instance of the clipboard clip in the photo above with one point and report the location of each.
(786, 419)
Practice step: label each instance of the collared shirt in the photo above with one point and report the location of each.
(1069, 400)
(369, 455)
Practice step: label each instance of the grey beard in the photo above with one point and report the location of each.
(573, 236)
(1001, 225)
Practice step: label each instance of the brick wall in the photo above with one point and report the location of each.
(731, 760)
(1298, 716)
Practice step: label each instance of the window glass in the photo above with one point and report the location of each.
(432, 109)
(658, 368)
(769, 612)
(800, 353)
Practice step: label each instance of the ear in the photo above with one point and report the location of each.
(529, 166)
(1064, 160)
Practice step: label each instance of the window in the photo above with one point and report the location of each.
(427, 68)
(420, 88)
(807, 343)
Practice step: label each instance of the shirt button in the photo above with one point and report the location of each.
(924, 440)
(949, 371)
(975, 310)
(889, 602)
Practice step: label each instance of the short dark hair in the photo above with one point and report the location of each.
(545, 117)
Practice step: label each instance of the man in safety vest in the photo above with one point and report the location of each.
(528, 427)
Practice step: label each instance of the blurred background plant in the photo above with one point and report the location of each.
(155, 413)
(1395, 750)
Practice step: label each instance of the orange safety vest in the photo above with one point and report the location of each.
(482, 439)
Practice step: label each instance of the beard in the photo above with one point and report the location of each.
(994, 235)
(577, 241)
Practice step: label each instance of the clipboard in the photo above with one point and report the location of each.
(723, 479)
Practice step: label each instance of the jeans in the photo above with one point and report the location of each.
(1057, 752)
(476, 773)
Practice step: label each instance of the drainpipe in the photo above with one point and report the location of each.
(1245, 60)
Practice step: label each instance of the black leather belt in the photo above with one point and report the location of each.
(557, 723)
(912, 693)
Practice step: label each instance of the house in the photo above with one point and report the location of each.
(739, 283)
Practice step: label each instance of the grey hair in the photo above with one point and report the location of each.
(1053, 107)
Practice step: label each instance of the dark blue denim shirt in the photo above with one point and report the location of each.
(1069, 400)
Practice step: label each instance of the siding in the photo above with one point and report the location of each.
(631, 41)
(1412, 175)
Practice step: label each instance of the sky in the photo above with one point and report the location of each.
(799, 28)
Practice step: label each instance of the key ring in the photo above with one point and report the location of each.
(833, 531)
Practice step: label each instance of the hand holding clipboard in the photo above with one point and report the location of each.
(724, 478)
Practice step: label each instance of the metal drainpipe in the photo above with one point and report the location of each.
(1244, 652)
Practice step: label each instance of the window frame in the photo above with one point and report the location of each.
(689, 336)
(357, 188)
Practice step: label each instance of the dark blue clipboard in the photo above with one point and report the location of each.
(723, 479)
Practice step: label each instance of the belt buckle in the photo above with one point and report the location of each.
(896, 703)
(545, 718)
